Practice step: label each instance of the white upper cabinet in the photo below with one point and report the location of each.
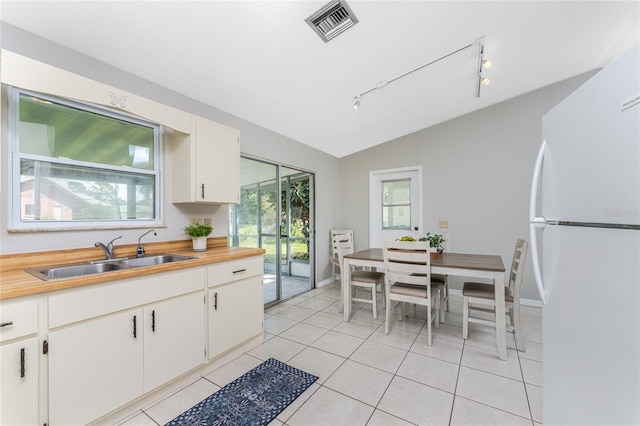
(206, 164)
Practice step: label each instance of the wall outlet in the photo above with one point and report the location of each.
(444, 223)
(195, 221)
(207, 221)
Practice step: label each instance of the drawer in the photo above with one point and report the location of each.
(18, 318)
(233, 270)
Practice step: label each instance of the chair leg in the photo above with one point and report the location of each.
(429, 323)
(517, 328)
(400, 311)
(465, 317)
(438, 309)
(441, 307)
(374, 300)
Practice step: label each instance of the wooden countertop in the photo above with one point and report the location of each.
(16, 282)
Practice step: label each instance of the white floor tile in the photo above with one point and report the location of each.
(276, 324)
(360, 382)
(466, 412)
(379, 356)
(495, 391)
(278, 348)
(337, 343)
(176, 404)
(296, 313)
(319, 363)
(487, 360)
(396, 338)
(328, 407)
(139, 420)
(534, 393)
(445, 350)
(416, 403)
(532, 371)
(234, 369)
(430, 371)
(357, 328)
(304, 333)
(324, 320)
(380, 418)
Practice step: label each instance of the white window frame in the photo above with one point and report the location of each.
(15, 222)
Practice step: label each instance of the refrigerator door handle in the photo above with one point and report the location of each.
(535, 260)
(537, 171)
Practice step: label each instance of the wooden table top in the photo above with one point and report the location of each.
(481, 262)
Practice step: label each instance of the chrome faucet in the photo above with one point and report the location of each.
(140, 251)
(108, 249)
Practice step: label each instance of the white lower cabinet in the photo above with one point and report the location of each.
(19, 362)
(174, 338)
(95, 367)
(101, 364)
(236, 303)
(19, 383)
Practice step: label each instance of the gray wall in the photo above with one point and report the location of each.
(255, 141)
(476, 174)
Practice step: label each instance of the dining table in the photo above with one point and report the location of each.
(481, 266)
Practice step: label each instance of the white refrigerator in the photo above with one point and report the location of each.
(585, 248)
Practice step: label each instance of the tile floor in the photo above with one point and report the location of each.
(369, 378)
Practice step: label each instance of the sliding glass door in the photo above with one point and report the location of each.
(276, 213)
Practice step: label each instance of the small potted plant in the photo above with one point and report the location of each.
(435, 244)
(198, 233)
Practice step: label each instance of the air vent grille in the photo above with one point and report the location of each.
(332, 20)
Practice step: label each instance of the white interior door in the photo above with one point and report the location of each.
(395, 204)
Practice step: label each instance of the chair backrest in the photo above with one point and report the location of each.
(345, 238)
(407, 262)
(516, 274)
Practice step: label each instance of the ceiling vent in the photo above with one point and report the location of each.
(332, 20)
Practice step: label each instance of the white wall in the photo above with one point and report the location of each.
(255, 141)
(476, 174)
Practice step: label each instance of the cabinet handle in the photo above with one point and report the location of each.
(135, 328)
(240, 270)
(153, 320)
(215, 301)
(202, 191)
(6, 324)
(21, 362)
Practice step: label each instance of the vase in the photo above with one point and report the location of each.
(199, 243)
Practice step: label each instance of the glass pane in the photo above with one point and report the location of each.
(396, 217)
(396, 192)
(50, 191)
(55, 130)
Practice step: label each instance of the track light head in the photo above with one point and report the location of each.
(486, 64)
(356, 102)
(485, 81)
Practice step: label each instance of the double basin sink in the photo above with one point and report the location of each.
(99, 267)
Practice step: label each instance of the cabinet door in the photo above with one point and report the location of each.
(217, 157)
(236, 314)
(174, 338)
(95, 367)
(19, 383)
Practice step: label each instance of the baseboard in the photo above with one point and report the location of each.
(323, 282)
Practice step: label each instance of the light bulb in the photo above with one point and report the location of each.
(486, 64)
(356, 103)
(485, 81)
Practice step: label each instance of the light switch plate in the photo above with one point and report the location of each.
(444, 223)
(207, 221)
(195, 221)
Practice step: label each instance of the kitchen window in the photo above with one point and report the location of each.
(79, 165)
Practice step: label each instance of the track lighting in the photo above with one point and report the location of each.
(482, 63)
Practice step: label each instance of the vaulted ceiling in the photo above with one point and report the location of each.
(259, 60)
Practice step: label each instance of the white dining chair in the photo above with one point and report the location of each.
(368, 280)
(408, 279)
(480, 297)
(339, 235)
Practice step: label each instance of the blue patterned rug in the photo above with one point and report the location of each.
(255, 398)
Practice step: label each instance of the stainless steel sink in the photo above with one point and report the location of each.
(68, 271)
(99, 267)
(154, 260)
